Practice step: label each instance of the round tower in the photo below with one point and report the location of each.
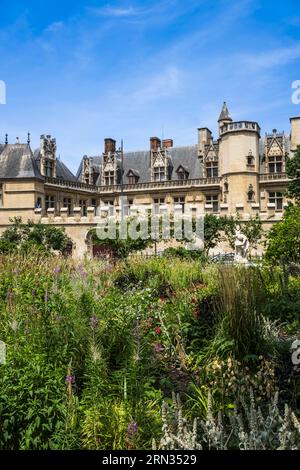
(239, 164)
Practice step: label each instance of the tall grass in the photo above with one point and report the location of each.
(240, 305)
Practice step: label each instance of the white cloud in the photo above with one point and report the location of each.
(55, 27)
(273, 58)
(115, 12)
(162, 85)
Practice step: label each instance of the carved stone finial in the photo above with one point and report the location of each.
(6, 139)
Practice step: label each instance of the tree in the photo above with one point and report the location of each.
(25, 237)
(212, 231)
(293, 171)
(283, 240)
(122, 247)
(253, 230)
(229, 225)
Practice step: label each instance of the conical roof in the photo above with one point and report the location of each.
(224, 116)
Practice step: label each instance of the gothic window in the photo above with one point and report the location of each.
(49, 168)
(49, 202)
(182, 173)
(68, 204)
(94, 202)
(250, 159)
(276, 198)
(180, 200)
(132, 177)
(275, 164)
(38, 204)
(157, 203)
(211, 169)
(159, 173)
(82, 205)
(250, 193)
(109, 178)
(213, 200)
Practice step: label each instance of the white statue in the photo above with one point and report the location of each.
(241, 246)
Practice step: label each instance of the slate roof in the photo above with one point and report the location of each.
(224, 113)
(17, 161)
(139, 163)
(62, 171)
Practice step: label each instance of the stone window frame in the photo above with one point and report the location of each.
(276, 197)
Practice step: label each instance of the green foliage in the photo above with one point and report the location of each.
(253, 230)
(94, 349)
(25, 237)
(183, 253)
(240, 305)
(283, 240)
(213, 227)
(293, 171)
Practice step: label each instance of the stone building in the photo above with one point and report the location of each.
(240, 171)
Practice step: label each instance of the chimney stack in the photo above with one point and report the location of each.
(155, 143)
(167, 143)
(109, 145)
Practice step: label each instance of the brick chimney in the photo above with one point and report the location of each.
(167, 143)
(155, 143)
(109, 145)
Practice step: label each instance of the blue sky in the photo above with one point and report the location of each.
(84, 70)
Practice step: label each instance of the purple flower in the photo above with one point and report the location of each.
(82, 271)
(158, 348)
(71, 379)
(56, 270)
(94, 321)
(33, 292)
(10, 294)
(132, 428)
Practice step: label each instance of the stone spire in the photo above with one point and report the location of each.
(224, 116)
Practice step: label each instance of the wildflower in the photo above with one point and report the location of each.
(56, 270)
(70, 379)
(14, 325)
(94, 321)
(158, 348)
(10, 294)
(33, 292)
(157, 330)
(46, 296)
(132, 428)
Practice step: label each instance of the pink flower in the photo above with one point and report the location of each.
(157, 330)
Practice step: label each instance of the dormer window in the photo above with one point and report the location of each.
(132, 176)
(49, 166)
(109, 178)
(275, 164)
(159, 173)
(182, 173)
(211, 169)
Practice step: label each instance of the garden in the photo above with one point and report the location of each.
(171, 352)
(161, 353)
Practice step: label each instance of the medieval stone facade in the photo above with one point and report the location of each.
(238, 172)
